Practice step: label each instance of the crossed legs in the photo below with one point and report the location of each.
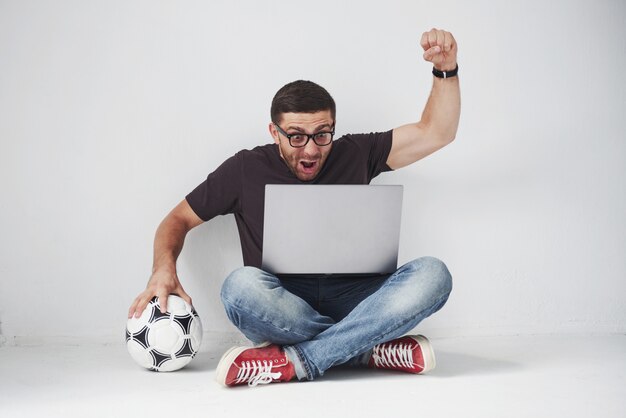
(377, 310)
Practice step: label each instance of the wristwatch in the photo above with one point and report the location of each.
(445, 74)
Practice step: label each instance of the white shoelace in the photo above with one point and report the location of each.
(256, 372)
(394, 355)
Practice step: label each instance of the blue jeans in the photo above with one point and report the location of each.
(327, 321)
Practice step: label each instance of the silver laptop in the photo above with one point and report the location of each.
(331, 229)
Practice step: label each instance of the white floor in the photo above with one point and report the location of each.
(530, 376)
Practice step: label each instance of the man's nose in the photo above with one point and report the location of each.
(311, 148)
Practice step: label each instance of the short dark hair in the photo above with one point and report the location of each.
(301, 96)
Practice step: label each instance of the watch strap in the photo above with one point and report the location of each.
(445, 74)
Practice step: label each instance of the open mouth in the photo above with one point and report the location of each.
(308, 167)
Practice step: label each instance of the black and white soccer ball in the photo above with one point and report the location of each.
(164, 342)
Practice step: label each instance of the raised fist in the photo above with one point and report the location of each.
(439, 48)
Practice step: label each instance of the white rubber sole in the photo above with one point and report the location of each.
(225, 362)
(427, 352)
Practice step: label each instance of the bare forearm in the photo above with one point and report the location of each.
(443, 109)
(170, 237)
(441, 114)
(168, 243)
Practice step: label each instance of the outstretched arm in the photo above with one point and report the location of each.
(168, 243)
(440, 118)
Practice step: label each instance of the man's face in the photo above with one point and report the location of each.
(305, 162)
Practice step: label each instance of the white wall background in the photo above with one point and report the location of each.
(111, 111)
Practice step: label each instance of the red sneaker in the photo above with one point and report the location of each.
(411, 354)
(254, 366)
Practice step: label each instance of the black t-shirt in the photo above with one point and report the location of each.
(238, 185)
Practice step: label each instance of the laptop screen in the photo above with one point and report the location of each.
(331, 229)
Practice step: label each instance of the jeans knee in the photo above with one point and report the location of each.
(239, 283)
(437, 275)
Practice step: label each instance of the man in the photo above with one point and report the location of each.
(302, 327)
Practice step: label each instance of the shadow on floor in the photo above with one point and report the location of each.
(204, 361)
(449, 364)
(456, 364)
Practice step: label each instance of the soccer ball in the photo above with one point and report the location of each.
(164, 342)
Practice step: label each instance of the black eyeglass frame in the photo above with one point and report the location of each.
(308, 137)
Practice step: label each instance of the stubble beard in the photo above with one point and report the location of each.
(293, 162)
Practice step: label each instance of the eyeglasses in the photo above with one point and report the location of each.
(300, 140)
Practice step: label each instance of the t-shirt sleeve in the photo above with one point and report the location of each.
(377, 146)
(220, 193)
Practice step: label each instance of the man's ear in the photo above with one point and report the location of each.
(274, 132)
